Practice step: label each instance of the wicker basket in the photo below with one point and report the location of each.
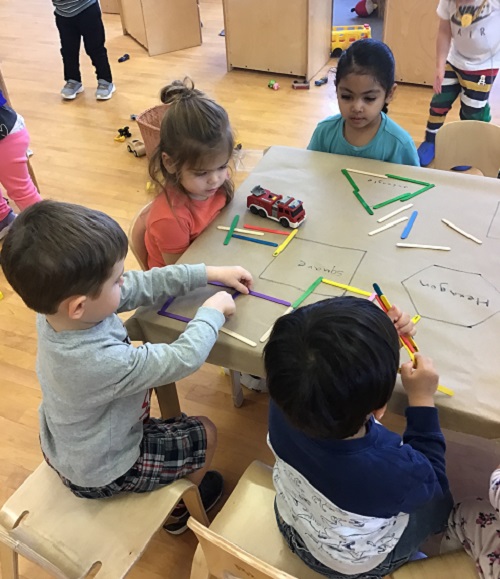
(149, 124)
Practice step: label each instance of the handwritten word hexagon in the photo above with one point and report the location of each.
(462, 298)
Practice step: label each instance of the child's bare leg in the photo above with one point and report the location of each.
(211, 431)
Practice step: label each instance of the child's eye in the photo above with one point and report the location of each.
(370, 99)
(201, 174)
(345, 97)
(223, 167)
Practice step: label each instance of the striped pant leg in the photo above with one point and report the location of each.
(476, 88)
(441, 103)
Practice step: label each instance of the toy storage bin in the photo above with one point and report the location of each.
(149, 123)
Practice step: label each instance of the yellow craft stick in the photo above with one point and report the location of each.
(268, 333)
(348, 288)
(281, 247)
(416, 319)
(238, 337)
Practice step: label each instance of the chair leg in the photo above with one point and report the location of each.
(168, 400)
(236, 389)
(193, 503)
(199, 568)
(8, 562)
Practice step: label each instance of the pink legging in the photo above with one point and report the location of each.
(14, 174)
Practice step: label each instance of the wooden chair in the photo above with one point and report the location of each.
(71, 537)
(244, 540)
(471, 143)
(136, 233)
(456, 565)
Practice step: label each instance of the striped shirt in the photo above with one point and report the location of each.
(71, 7)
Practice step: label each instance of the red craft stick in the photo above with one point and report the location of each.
(255, 228)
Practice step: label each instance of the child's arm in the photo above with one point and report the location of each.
(423, 432)
(147, 288)
(443, 44)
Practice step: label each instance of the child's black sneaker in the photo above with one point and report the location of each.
(211, 488)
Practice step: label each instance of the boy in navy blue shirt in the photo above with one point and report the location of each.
(352, 498)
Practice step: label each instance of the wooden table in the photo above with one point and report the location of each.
(455, 292)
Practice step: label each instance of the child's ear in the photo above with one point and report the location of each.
(390, 94)
(168, 163)
(379, 414)
(75, 307)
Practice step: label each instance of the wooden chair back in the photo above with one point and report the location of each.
(136, 233)
(469, 143)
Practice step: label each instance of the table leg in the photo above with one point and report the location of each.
(236, 389)
(168, 400)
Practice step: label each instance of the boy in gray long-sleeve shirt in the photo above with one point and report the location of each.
(66, 262)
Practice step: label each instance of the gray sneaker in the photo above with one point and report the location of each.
(71, 89)
(104, 90)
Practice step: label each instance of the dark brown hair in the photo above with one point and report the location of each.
(194, 129)
(55, 250)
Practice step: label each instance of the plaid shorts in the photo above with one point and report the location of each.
(170, 449)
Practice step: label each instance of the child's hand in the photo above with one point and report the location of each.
(223, 302)
(232, 276)
(438, 81)
(420, 380)
(402, 322)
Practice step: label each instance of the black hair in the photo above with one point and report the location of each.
(368, 56)
(55, 250)
(330, 364)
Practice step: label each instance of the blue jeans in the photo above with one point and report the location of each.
(428, 520)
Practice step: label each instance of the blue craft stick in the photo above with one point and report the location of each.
(377, 289)
(409, 225)
(261, 241)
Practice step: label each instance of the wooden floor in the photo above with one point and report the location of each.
(77, 160)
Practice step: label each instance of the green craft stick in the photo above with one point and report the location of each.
(232, 227)
(307, 293)
(407, 179)
(398, 198)
(423, 190)
(362, 201)
(345, 172)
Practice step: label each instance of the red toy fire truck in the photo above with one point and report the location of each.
(288, 211)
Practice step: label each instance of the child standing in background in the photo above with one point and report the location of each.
(467, 62)
(14, 174)
(190, 170)
(365, 86)
(353, 500)
(77, 19)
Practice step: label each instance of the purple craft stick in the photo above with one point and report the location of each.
(256, 295)
(175, 317)
(270, 298)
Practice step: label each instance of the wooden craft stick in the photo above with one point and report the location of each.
(307, 293)
(237, 230)
(389, 225)
(266, 229)
(419, 246)
(261, 241)
(368, 209)
(392, 200)
(409, 225)
(461, 231)
(350, 179)
(285, 243)
(266, 335)
(409, 196)
(232, 227)
(408, 180)
(366, 173)
(238, 337)
(348, 288)
(389, 215)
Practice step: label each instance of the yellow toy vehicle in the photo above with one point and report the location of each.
(344, 36)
